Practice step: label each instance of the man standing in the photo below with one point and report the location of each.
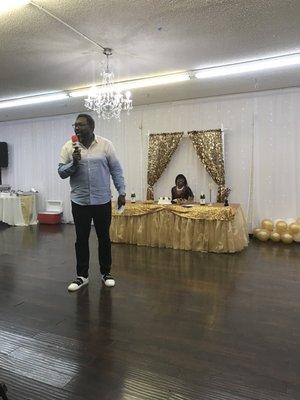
(89, 164)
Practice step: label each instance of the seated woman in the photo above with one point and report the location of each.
(181, 193)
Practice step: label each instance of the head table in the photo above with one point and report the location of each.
(18, 210)
(209, 228)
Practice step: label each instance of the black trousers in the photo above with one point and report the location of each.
(83, 216)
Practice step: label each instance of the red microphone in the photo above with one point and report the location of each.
(75, 141)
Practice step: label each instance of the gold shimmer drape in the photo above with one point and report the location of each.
(209, 148)
(27, 205)
(215, 229)
(161, 149)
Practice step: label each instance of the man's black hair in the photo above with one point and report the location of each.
(89, 119)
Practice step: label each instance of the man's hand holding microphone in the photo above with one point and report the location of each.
(76, 153)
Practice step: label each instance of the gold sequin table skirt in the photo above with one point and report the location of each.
(215, 228)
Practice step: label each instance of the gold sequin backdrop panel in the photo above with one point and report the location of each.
(161, 149)
(209, 148)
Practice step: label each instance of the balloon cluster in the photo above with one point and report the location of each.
(286, 231)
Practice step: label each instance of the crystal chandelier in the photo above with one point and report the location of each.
(106, 99)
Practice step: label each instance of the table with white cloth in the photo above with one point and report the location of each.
(18, 210)
(210, 228)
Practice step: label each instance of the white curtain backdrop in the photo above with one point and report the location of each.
(262, 150)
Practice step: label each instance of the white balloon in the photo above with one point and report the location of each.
(296, 237)
(290, 221)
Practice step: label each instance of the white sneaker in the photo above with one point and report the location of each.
(108, 280)
(78, 283)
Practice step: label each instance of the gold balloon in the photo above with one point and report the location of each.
(275, 236)
(298, 221)
(287, 238)
(281, 226)
(263, 235)
(294, 229)
(296, 237)
(255, 231)
(267, 224)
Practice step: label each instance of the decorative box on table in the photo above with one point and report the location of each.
(164, 200)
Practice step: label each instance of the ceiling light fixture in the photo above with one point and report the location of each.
(250, 66)
(24, 101)
(107, 100)
(138, 83)
(7, 5)
(110, 96)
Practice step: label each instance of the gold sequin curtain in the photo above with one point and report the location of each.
(161, 149)
(209, 148)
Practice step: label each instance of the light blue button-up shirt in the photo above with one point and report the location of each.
(90, 179)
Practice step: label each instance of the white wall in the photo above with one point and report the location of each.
(262, 150)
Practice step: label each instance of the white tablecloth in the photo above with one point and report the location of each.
(18, 210)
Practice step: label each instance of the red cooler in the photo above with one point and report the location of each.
(53, 213)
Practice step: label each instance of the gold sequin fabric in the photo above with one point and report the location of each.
(161, 149)
(209, 148)
(216, 212)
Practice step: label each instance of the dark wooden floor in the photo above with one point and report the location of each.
(178, 325)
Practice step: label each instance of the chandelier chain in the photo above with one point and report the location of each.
(106, 100)
(44, 10)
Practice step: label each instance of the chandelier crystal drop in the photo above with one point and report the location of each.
(106, 99)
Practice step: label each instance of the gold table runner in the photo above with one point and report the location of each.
(214, 212)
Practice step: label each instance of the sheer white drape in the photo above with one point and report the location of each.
(34, 148)
(262, 147)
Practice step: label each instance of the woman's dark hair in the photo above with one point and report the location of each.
(89, 120)
(180, 176)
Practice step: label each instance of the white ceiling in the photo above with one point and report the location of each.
(149, 37)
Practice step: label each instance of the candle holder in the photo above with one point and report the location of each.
(210, 203)
(210, 193)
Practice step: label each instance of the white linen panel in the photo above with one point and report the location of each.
(262, 148)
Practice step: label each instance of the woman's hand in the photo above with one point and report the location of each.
(181, 201)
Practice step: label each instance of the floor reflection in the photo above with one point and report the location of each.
(174, 317)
